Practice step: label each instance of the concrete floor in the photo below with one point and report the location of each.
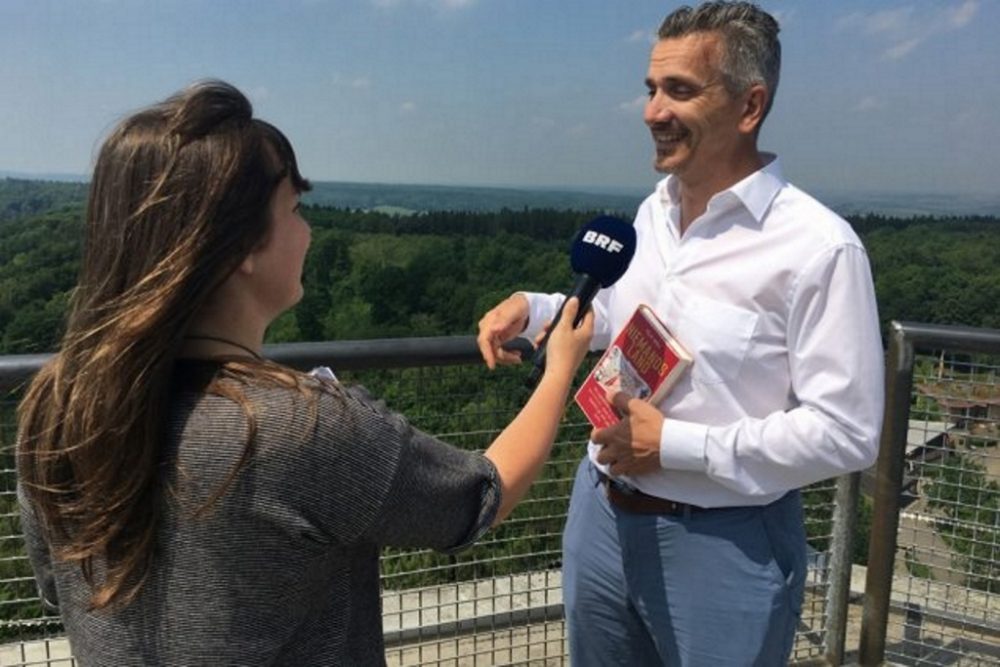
(514, 620)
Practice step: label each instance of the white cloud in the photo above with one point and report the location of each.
(634, 104)
(407, 107)
(437, 4)
(578, 130)
(889, 21)
(641, 37)
(870, 103)
(961, 16)
(784, 17)
(903, 29)
(902, 49)
(359, 82)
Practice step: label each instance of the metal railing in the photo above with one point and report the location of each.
(499, 602)
(933, 578)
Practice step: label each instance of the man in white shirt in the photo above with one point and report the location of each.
(684, 543)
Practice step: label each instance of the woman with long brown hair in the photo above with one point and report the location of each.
(186, 501)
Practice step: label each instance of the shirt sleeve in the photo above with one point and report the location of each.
(543, 307)
(836, 367)
(38, 552)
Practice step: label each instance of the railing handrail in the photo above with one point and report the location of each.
(346, 355)
(953, 337)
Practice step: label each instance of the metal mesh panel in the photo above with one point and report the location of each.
(498, 603)
(817, 504)
(945, 607)
(28, 635)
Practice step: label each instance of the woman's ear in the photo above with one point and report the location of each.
(246, 267)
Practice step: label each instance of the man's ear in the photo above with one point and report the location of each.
(753, 108)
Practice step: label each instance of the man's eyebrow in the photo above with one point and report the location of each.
(671, 78)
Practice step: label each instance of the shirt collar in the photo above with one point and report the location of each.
(755, 192)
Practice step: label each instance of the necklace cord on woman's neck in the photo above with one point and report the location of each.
(219, 339)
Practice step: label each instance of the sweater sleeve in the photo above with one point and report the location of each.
(369, 476)
(443, 497)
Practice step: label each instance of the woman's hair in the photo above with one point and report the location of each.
(179, 197)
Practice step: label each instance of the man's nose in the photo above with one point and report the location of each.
(658, 109)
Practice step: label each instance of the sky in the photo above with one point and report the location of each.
(874, 96)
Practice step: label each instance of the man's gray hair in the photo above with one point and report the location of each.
(751, 50)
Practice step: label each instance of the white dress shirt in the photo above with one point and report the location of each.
(772, 294)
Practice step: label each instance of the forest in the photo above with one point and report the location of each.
(375, 274)
(379, 275)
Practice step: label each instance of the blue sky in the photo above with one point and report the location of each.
(874, 96)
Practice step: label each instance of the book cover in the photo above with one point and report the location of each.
(643, 360)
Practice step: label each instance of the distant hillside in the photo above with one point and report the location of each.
(50, 176)
(909, 205)
(20, 197)
(420, 198)
(29, 197)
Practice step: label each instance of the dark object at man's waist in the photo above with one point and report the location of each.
(635, 501)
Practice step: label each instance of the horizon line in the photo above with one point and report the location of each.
(69, 177)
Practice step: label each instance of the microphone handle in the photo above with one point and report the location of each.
(584, 289)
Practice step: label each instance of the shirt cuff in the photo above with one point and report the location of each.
(682, 445)
(541, 309)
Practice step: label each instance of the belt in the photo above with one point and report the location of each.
(637, 502)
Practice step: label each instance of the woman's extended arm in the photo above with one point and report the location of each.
(521, 449)
(384, 481)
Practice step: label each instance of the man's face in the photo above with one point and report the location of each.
(691, 115)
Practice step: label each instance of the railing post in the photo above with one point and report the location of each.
(888, 485)
(845, 520)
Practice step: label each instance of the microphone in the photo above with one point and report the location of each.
(600, 254)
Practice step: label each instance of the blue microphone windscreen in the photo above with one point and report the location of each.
(603, 249)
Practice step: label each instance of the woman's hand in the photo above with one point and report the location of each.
(568, 346)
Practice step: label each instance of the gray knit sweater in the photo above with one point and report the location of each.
(284, 570)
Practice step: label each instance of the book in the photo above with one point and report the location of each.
(644, 360)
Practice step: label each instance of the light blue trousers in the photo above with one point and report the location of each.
(715, 588)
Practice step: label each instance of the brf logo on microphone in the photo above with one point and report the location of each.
(602, 241)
